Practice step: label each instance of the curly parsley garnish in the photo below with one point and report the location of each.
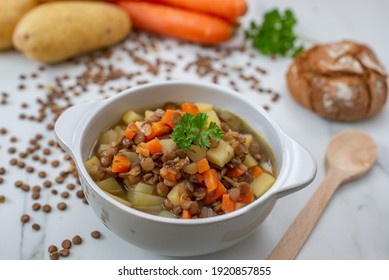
(275, 36)
(192, 129)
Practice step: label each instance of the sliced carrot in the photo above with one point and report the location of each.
(202, 165)
(167, 117)
(256, 171)
(216, 194)
(210, 179)
(131, 130)
(169, 176)
(178, 23)
(154, 146)
(227, 204)
(158, 129)
(185, 214)
(190, 108)
(120, 164)
(228, 9)
(247, 198)
(234, 172)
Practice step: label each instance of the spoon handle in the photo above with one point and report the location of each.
(299, 230)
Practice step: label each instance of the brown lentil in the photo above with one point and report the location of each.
(47, 183)
(55, 192)
(36, 227)
(70, 186)
(35, 195)
(43, 160)
(25, 187)
(96, 234)
(66, 244)
(11, 150)
(52, 249)
(65, 194)
(13, 161)
(46, 208)
(64, 252)
(2, 198)
(59, 179)
(36, 206)
(54, 255)
(36, 188)
(2, 170)
(30, 169)
(77, 240)
(25, 218)
(55, 163)
(80, 194)
(62, 206)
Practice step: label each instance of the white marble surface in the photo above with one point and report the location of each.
(354, 225)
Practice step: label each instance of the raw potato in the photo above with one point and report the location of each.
(56, 31)
(341, 81)
(10, 13)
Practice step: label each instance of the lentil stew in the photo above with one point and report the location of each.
(146, 162)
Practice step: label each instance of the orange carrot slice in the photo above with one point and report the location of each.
(190, 108)
(120, 164)
(202, 165)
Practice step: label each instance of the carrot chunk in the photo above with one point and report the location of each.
(247, 198)
(185, 214)
(202, 165)
(256, 171)
(120, 164)
(210, 179)
(227, 204)
(234, 172)
(216, 194)
(154, 146)
(190, 108)
(167, 117)
(131, 130)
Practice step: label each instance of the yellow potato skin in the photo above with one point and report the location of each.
(53, 32)
(10, 13)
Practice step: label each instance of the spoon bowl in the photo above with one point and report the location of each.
(349, 155)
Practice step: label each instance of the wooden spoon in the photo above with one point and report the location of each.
(349, 155)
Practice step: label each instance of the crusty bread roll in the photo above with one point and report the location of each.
(341, 81)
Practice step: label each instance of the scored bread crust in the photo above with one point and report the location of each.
(341, 81)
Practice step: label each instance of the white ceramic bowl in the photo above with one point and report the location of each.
(78, 128)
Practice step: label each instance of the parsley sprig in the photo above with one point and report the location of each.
(275, 36)
(192, 129)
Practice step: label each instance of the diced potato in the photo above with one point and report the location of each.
(267, 167)
(110, 185)
(204, 107)
(119, 130)
(212, 117)
(131, 116)
(262, 184)
(249, 138)
(132, 156)
(232, 120)
(139, 125)
(176, 193)
(168, 145)
(239, 205)
(143, 188)
(220, 155)
(128, 184)
(155, 209)
(90, 162)
(121, 200)
(195, 153)
(141, 199)
(250, 161)
(103, 147)
(148, 114)
(191, 168)
(167, 214)
(108, 137)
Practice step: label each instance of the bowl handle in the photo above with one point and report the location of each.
(302, 171)
(67, 123)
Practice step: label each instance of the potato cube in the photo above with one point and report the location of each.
(131, 116)
(108, 137)
(204, 107)
(212, 117)
(89, 163)
(250, 161)
(110, 185)
(221, 154)
(176, 193)
(168, 145)
(143, 188)
(262, 184)
(195, 153)
(141, 199)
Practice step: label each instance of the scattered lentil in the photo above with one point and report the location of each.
(77, 240)
(52, 249)
(36, 206)
(46, 208)
(62, 206)
(66, 244)
(54, 255)
(24, 218)
(36, 227)
(2, 198)
(96, 234)
(64, 252)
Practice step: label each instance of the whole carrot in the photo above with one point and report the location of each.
(178, 23)
(227, 9)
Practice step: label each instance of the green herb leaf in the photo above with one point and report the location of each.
(275, 36)
(192, 130)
